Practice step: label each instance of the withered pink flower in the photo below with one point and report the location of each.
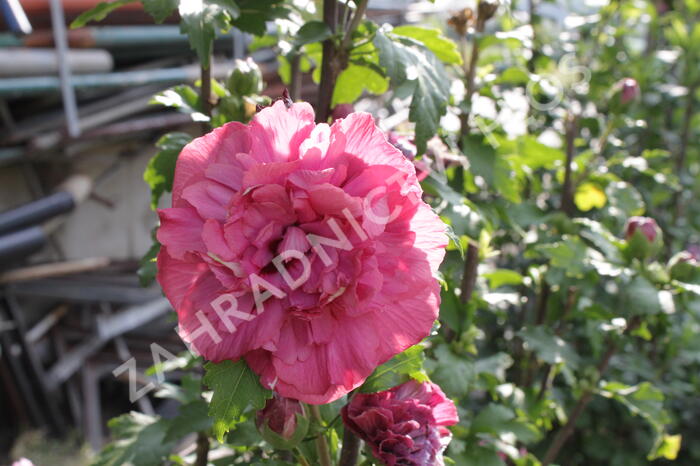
(305, 249)
(406, 425)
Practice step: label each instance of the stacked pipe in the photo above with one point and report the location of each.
(25, 229)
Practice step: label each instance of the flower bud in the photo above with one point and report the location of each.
(644, 238)
(282, 423)
(623, 94)
(245, 78)
(685, 265)
(629, 90)
(647, 226)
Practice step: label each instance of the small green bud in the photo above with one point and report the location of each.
(245, 78)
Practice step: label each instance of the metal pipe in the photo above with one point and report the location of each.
(36, 211)
(109, 37)
(16, 87)
(70, 106)
(9, 155)
(17, 245)
(15, 18)
(24, 61)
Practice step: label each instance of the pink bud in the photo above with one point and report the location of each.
(629, 90)
(694, 251)
(647, 226)
(280, 416)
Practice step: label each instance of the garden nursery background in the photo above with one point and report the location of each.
(556, 143)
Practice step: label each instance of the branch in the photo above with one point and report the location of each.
(471, 264)
(683, 151)
(567, 194)
(549, 374)
(202, 450)
(329, 65)
(354, 24)
(351, 449)
(532, 13)
(295, 78)
(568, 429)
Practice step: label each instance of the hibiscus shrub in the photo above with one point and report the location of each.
(503, 271)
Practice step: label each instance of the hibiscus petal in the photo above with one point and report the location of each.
(278, 131)
(222, 143)
(180, 231)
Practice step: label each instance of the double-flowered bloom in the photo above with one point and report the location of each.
(305, 249)
(406, 425)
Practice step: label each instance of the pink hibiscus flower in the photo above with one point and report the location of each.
(303, 248)
(405, 425)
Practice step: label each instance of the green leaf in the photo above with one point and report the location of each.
(160, 170)
(312, 31)
(498, 419)
(501, 277)
(397, 370)
(414, 69)
(642, 400)
(668, 448)
(443, 48)
(255, 13)
(184, 98)
(493, 419)
(549, 348)
(192, 417)
(641, 297)
(160, 9)
(201, 19)
(479, 456)
(138, 439)
(514, 76)
(601, 238)
(453, 373)
(494, 365)
(98, 13)
(353, 80)
(495, 169)
(235, 388)
(147, 265)
(568, 254)
(626, 198)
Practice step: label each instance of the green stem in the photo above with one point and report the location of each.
(324, 456)
(205, 74)
(301, 458)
